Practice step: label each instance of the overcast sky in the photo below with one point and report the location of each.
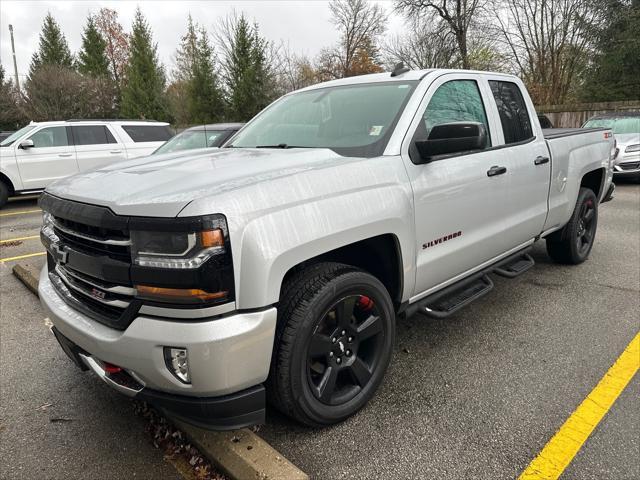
(305, 25)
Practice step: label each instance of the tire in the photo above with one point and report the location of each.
(4, 194)
(336, 328)
(572, 245)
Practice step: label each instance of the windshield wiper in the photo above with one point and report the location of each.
(280, 145)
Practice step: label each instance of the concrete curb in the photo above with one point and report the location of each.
(28, 275)
(242, 454)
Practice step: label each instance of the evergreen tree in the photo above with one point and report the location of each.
(614, 73)
(92, 59)
(204, 98)
(186, 53)
(248, 74)
(53, 48)
(143, 91)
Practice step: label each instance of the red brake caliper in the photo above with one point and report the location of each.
(365, 303)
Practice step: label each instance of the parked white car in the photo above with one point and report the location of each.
(38, 154)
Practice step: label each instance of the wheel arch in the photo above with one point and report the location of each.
(380, 256)
(594, 180)
(7, 181)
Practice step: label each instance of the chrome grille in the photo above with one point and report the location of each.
(84, 287)
(93, 240)
(629, 166)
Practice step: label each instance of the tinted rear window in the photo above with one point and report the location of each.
(148, 133)
(514, 116)
(92, 135)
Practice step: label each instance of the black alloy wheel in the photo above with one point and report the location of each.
(585, 231)
(344, 350)
(573, 243)
(334, 340)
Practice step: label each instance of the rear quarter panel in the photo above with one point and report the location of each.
(572, 157)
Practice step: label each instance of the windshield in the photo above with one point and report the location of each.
(353, 120)
(16, 135)
(619, 125)
(191, 139)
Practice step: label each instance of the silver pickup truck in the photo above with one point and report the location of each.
(275, 268)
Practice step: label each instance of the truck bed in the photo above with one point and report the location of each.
(551, 133)
(574, 152)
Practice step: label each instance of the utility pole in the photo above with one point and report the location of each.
(15, 64)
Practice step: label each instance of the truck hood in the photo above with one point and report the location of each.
(162, 185)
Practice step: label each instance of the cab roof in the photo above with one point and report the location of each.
(99, 120)
(411, 75)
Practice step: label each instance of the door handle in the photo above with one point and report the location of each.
(496, 170)
(65, 154)
(541, 160)
(115, 151)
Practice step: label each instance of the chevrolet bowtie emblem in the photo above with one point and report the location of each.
(60, 254)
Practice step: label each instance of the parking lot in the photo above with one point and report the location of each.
(477, 395)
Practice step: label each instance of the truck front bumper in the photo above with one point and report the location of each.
(228, 359)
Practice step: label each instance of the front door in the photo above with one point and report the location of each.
(51, 157)
(460, 199)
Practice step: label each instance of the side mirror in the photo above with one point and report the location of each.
(454, 137)
(26, 144)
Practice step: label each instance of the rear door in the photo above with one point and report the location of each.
(526, 156)
(96, 146)
(459, 206)
(51, 157)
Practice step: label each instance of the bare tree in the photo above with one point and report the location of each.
(117, 50)
(359, 23)
(546, 40)
(58, 93)
(459, 15)
(11, 115)
(296, 71)
(427, 45)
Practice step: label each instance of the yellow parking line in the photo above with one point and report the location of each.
(19, 213)
(19, 257)
(565, 444)
(8, 240)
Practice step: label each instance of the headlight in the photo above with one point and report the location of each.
(175, 249)
(632, 148)
(181, 261)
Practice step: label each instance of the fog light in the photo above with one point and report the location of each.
(177, 362)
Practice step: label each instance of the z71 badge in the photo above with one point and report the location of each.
(440, 240)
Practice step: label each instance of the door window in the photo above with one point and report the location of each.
(514, 116)
(92, 135)
(454, 101)
(50, 137)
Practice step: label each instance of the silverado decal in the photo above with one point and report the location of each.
(440, 240)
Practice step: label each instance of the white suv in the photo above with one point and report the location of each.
(40, 153)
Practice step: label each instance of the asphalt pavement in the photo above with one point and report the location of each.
(477, 395)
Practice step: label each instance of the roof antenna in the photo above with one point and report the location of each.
(399, 69)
